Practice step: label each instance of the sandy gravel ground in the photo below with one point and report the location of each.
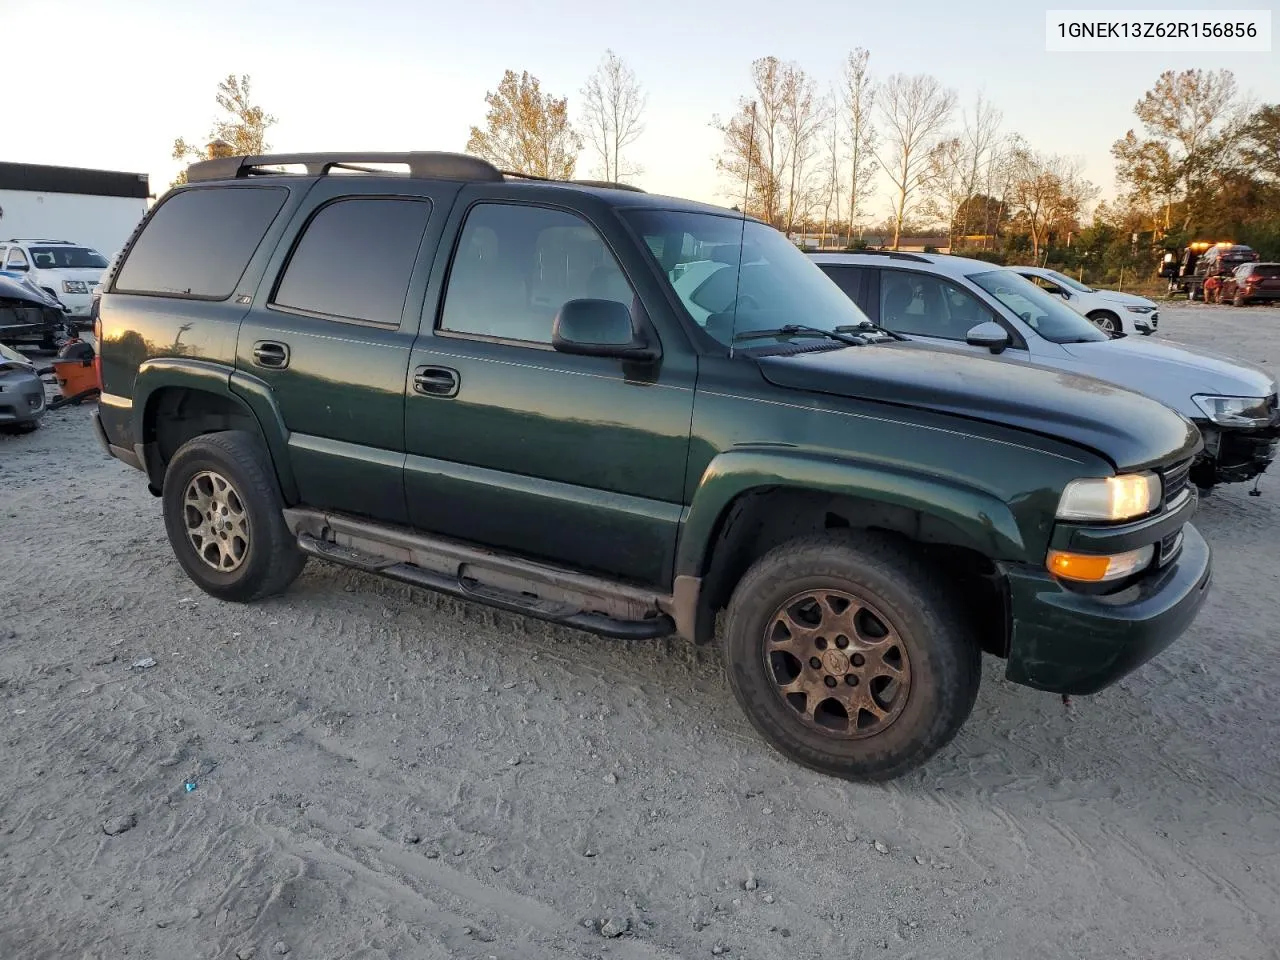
(381, 773)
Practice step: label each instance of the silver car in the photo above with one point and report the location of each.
(971, 305)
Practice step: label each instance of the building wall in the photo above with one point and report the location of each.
(103, 223)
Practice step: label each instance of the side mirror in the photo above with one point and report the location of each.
(600, 328)
(18, 267)
(988, 334)
(1062, 292)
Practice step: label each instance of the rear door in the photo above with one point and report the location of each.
(328, 335)
(573, 459)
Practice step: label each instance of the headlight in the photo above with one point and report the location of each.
(74, 286)
(1141, 309)
(1110, 498)
(1093, 568)
(1234, 411)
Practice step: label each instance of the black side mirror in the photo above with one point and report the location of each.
(18, 267)
(988, 334)
(1062, 292)
(601, 328)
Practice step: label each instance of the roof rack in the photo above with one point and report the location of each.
(894, 254)
(444, 166)
(433, 164)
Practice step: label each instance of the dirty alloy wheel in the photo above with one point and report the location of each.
(223, 514)
(850, 655)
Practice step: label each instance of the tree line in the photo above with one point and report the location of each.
(1203, 162)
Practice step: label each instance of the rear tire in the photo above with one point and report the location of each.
(225, 520)
(1239, 301)
(897, 664)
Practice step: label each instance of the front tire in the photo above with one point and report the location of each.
(850, 656)
(224, 517)
(1107, 322)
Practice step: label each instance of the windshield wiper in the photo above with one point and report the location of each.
(870, 325)
(799, 329)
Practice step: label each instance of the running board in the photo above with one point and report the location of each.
(532, 589)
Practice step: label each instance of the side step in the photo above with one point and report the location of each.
(599, 606)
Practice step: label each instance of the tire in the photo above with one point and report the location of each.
(253, 554)
(910, 610)
(1107, 322)
(27, 426)
(1239, 301)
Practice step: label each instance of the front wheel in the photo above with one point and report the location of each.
(1107, 322)
(224, 517)
(850, 656)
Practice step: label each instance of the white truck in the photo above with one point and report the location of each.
(76, 218)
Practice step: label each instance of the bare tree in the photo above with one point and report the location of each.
(857, 101)
(612, 115)
(1047, 190)
(754, 153)
(948, 178)
(803, 114)
(982, 143)
(915, 111)
(832, 168)
(526, 131)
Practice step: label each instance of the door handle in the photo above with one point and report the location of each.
(270, 353)
(436, 381)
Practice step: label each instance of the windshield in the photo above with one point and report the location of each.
(59, 258)
(1041, 311)
(1064, 280)
(734, 277)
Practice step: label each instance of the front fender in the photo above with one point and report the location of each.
(981, 521)
(249, 393)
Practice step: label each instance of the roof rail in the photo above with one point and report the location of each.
(607, 184)
(894, 254)
(439, 165)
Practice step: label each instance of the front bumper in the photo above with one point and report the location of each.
(1236, 455)
(21, 398)
(1146, 322)
(1067, 642)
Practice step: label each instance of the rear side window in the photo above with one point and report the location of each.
(354, 260)
(848, 279)
(198, 243)
(1267, 270)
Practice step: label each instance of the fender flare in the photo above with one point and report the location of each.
(982, 520)
(247, 392)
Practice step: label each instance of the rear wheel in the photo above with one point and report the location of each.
(224, 517)
(1239, 301)
(850, 656)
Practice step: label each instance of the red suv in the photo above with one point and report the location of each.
(1251, 283)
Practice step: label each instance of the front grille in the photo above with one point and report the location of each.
(1176, 479)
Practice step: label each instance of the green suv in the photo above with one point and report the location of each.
(630, 414)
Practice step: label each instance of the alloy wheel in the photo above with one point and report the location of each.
(216, 521)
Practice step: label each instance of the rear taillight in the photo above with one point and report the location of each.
(97, 350)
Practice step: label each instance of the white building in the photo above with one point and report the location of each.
(95, 208)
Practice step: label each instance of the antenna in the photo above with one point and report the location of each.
(742, 237)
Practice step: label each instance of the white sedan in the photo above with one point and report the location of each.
(1113, 312)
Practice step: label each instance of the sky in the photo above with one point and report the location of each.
(110, 83)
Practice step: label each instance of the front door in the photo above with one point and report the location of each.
(571, 459)
(328, 336)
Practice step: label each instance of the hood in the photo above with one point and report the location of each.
(1162, 368)
(1129, 299)
(1130, 430)
(25, 291)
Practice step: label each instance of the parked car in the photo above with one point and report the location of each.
(502, 395)
(21, 393)
(1112, 311)
(67, 271)
(1202, 265)
(941, 299)
(1250, 283)
(30, 315)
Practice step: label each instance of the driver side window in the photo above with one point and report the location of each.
(916, 303)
